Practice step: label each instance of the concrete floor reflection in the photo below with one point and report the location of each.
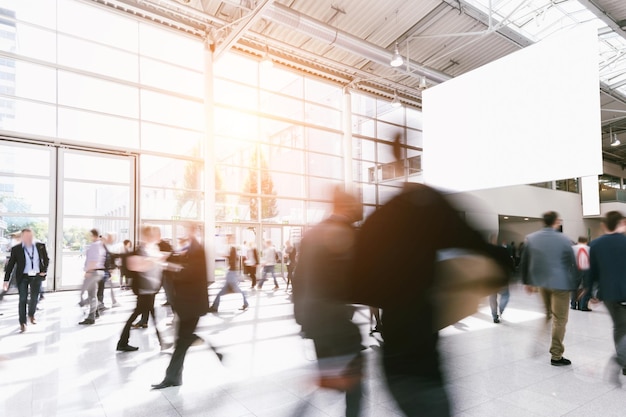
(58, 368)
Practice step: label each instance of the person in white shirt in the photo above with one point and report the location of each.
(94, 272)
(269, 264)
(580, 298)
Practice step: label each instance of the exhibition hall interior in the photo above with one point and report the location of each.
(161, 160)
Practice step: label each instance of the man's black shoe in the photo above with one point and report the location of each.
(560, 362)
(166, 384)
(87, 322)
(126, 348)
(496, 320)
(586, 309)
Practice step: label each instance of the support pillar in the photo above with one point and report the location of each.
(347, 141)
(208, 154)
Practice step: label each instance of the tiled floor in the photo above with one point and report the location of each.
(60, 369)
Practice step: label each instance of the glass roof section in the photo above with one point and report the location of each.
(538, 19)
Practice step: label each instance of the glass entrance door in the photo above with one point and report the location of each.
(95, 191)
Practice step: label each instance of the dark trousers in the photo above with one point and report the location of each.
(184, 339)
(22, 287)
(145, 305)
(290, 268)
(168, 287)
(411, 362)
(251, 270)
(618, 315)
(583, 303)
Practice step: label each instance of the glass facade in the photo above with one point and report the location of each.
(109, 83)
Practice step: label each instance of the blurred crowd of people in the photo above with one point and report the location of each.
(385, 263)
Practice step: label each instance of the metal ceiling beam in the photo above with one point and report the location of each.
(238, 31)
(484, 18)
(321, 31)
(604, 16)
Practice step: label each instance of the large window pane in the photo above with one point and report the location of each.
(171, 77)
(88, 56)
(236, 67)
(363, 149)
(97, 24)
(285, 107)
(91, 167)
(322, 92)
(171, 110)
(20, 116)
(24, 195)
(90, 93)
(363, 104)
(89, 199)
(388, 132)
(286, 159)
(414, 138)
(322, 189)
(235, 95)
(413, 118)
(290, 211)
(282, 81)
(30, 42)
(171, 173)
(169, 46)
(24, 160)
(282, 133)
(322, 116)
(363, 126)
(284, 185)
(232, 178)
(325, 166)
(391, 114)
(164, 204)
(42, 13)
(324, 141)
(170, 140)
(233, 152)
(317, 211)
(84, 126)
(237, 125)
(35, 82)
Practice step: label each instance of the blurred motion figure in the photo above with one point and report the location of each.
(320, 291)
(608, 269)
(396, 255)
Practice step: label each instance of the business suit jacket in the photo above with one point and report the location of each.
(17, 260)
(548, 261)
(191, 294)
(321, 285)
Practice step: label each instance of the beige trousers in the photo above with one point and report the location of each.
(557, 308)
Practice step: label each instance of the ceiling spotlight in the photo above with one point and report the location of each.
(506, 217)
(396, 60)
(267, 62)
(395, 103)
(526, 218)
(615, 141)
(423, 85)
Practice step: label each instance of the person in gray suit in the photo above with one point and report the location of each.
(548, 264)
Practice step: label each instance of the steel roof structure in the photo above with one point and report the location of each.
(352, 41)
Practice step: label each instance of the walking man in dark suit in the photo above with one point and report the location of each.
(191, 299)
(30, 261)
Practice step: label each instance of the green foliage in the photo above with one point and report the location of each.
(269, 207)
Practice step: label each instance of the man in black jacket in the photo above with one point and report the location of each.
(30, 261)
(396, 255)
(191, 298)
(320, 289)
